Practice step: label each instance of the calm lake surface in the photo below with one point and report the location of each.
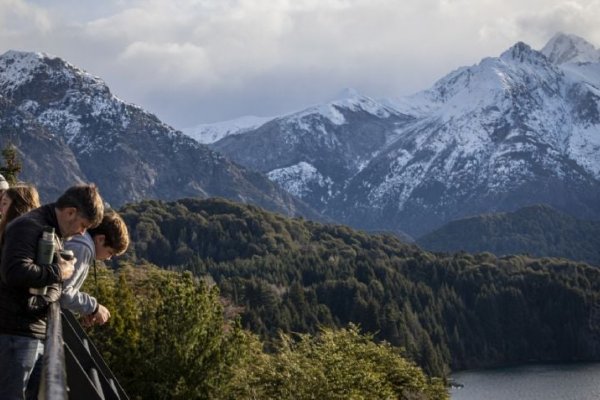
(531, 382)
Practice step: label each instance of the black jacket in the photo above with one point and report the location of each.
(18, 272)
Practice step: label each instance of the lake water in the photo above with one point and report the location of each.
(531, 382)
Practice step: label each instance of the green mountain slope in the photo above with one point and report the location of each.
(539, 230)
(291, 275)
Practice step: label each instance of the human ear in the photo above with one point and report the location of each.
(99, 240)
(71, 212)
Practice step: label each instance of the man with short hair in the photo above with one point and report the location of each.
(110, 238)
(22, 330)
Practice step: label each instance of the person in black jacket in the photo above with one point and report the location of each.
(22, 330)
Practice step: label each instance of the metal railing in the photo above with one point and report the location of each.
(72, 366)
(54, 378)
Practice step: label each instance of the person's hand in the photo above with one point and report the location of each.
(100, 317)
(66, 267)
(86, 320)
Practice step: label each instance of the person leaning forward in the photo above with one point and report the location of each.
(110, 238)
(22, 331)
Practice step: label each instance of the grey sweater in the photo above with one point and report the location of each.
(72, 299)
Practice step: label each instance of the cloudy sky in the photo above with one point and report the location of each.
(197, 61)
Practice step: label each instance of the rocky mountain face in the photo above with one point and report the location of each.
(69, 128)
(314, 153)
(47, 155)
(519, 129)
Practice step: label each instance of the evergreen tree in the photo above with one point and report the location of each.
(12, 165)
(168, 337)
(339, 364)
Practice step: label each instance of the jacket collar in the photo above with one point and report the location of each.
(49, 211)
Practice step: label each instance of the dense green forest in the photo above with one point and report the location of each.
(537, 230)
(172, 336)
(446, 310)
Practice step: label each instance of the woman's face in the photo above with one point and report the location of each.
(5, 204)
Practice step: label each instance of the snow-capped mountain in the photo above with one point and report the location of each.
(94, 136)
(564, 48)
(313, 153)
(513, 130)
(210, 133)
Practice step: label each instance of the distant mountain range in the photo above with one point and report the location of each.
(539, 231)
(69, 128)
(515, 130)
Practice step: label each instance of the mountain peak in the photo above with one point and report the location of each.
(210, 133)
(16, 67)
(18, 54)
(20, 67)
(351, 99)
(521, 52)
(347, 99)
(27, 61)
(568, 48)
(347, 93)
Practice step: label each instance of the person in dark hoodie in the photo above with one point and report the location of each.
(22, 330)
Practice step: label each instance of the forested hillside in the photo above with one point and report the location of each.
(538, 230)
(458, 311)
(171, 337)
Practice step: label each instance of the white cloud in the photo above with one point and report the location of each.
(170, 63)
(204, 60)
(577, 17)
(17, 16)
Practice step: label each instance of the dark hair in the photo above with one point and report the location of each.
(24, 198)
(114, 230)
(86, 199)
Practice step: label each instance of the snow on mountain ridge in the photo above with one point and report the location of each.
(352, 100)
(349, 99)
(489, 127)
(49, 105)
(477, 86)
(332, 111)
(565, 48)
(19, 67)
(16, 67)
(499, 134)
(73, 98)
(523, 53)
(210, 133)
(492, 91)
(296, 179)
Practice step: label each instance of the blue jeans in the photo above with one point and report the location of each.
(18, 356)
